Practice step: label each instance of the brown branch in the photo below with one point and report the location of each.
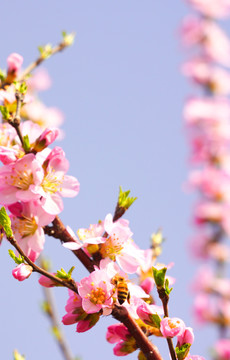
(120, 313)
(69, 284)
(59, 231)
(15, 122)
(42, 58)
(149, 350)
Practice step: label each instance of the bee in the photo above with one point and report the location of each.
(122, 288)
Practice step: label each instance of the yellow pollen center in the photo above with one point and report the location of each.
(25, 226)
(172, 325)
(51, 183)
(111, 248)
(97, 296)
(20, 179)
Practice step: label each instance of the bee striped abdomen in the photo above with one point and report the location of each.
(122, 292)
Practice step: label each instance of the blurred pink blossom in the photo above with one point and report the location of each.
(213, 41)
(212, 8)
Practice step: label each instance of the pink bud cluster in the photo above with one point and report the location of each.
(207, 119)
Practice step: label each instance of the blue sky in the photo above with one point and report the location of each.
(122, 93)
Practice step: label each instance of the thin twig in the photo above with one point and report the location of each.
(165, 299)
(15, 122)
(41, 58)
(69, 284)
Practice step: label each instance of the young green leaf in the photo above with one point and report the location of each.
(5, 222)
(159, 276)
(5, 112)
(18, 260)
(124, 200)
(182, 351)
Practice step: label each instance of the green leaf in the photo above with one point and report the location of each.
(45, 51)
(159, 276)
(70, 271)
(182, 351)
(20, 87)
(62, 274)
(18, 260)
(26, 143)
(124, 200)
(5, 112)
(155, 320)
(167, 289)
(5, 222)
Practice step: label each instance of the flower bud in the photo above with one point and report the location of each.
(22, 272)
(187, 337)
(14, 63)
(45, 139)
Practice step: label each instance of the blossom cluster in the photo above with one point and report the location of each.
(207, 118)
(32, 181)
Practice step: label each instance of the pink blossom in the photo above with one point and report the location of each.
(222, 349)
(47, 282)
(39, 81)
(118, 245)
(76, 314)
(55, 183)
(27, 180)
(96, 291)
(214, 42)
(119, 334)
(204, 308)
(215, 79)
(207, 112)
(123, 348)
(28, 220)
(42, 115)
(116, 333)
(22, 272)
(20, 180)
(148, 284)
(92, 235)
(87, 323)
(212, 182)
(72, 245)
(10, 144)
(171, 327)
(213, 8)
(187, 337)
(14, 62)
